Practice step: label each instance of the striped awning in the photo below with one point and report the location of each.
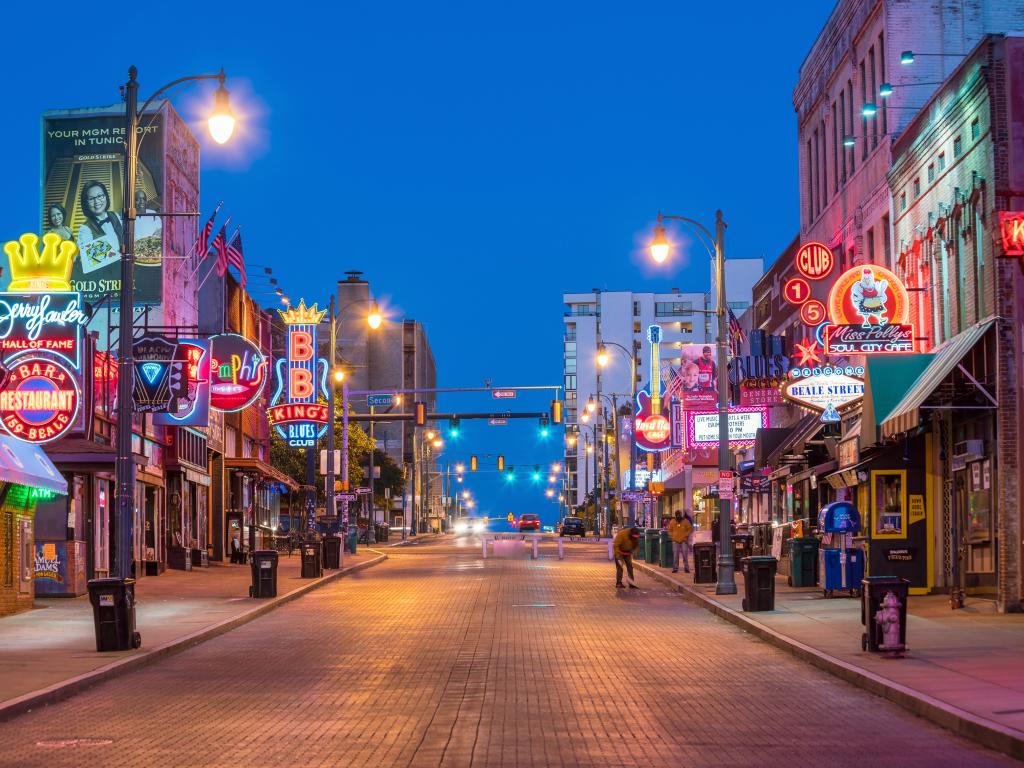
(906, 415)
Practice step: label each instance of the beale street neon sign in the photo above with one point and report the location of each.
(39, 401)
(297, 410)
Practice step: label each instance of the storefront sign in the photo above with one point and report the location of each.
(702, 427)
(915, 507)
(297, 410)
(825, 389)
(39, 401)
(238, 372)
(160, 379)
(814, 260)
(193, 409)
(901, 554)
(1011, 228)
(652, 427)
(848, 452)
(868, 311)
(761, 392)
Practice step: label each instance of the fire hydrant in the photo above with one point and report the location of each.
(888, 619)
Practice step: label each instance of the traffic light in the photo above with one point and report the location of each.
(473, 464)
(511, 474)
(556, 411)
(501, 463)
(536, 473)
(544, 426)
(453, 428)
(420, 414)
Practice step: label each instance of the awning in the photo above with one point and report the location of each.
(906, 414)
(27, 464)
(804, 430)
(888, 378)
(766, 440)
(261, 468)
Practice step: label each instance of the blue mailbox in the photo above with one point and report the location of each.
(839, 517)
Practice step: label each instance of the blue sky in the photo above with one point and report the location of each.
(474, 160)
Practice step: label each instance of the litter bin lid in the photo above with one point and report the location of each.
(839, 517)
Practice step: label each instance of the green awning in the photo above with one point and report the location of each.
(905, 415)
(887, 380)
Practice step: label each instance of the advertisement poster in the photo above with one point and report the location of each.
(83, 183)
(702, 428)
(56, 571)
(698, 377)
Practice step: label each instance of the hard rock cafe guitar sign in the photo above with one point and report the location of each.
(652, 424)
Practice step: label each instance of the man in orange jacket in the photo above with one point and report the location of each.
(625, 544)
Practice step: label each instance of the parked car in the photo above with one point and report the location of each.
(572, 526)
(529, 522)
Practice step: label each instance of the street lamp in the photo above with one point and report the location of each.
(602, 356)
(375, 318)
(716, 246)
(221, 124)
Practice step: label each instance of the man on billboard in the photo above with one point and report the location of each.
(708, 369)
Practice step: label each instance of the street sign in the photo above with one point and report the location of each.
(497, 422)
(346, 496)
(503, 394)
(511, 518)
(380, 401)
(725, 484)
(362, 491)
(632, 495)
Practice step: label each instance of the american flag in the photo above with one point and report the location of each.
(235, 257)
(202, 244)
(736, 334)
(220, 247)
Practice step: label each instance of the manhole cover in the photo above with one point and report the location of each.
(64, 743)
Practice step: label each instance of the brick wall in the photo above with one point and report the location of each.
(14, 597)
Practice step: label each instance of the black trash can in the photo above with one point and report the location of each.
(873, 592)
(332, 552)
(113, 614)
(705, 569)
(312, 560)
(759, 583)
(264, 573)
(742, 546)
(803, 560)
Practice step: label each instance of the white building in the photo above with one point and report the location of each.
(619, 320)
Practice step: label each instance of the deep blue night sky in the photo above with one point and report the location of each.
(475, 160)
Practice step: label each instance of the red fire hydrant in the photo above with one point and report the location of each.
(888, 619)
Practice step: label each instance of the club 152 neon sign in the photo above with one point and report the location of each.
(298, 408)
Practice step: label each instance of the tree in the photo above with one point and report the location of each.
(391, 477)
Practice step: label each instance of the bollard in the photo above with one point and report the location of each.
(611, 552)
(534, 555)
(561, 549)
(484, 540)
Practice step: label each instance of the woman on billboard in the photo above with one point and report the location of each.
(100, 237)
(57, 218)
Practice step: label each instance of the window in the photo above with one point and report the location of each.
(886, 241)
(570, 365)
(975, 128)
(842, 137)
(849, 106)
(871, 246)
(917, 188)
(931, 173)
(810, 182)
(958, 146)
(881, 71)
(669, 308)
(889, 503)
(636, 309)
(570, 382)
(583, 309)
(686, 327)
(814, 172)
(823, 167)
(570, 349)
(570, 332)
(942, 161)
(836, 139)
(874, 92)
(636, 326)
(903, 201)
(863, 119)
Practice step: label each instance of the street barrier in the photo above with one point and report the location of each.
(533, 538)
(561, 547)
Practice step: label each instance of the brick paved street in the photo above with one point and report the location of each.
(437, 657)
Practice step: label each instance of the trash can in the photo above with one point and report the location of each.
(640, 553)
(312, 562)
(264, 573)
(332, 552)
(742, 546)
(844, 571)
(873, 592)
(759, 583)
(803, 562)
(651, 545)
(704, 566)
(353, 540)
(665, 550)
(113, 614)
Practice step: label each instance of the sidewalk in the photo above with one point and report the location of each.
(50, 652)
(964, 669)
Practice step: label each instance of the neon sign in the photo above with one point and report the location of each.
(39, 401)
(868, 310)
(702, 427)
(651, 426)
(32, 272)
(296, 410)
(814, 260)
(238, 372)
(826, 389)
(1011, 228)
(193, 408)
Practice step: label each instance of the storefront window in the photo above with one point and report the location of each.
(889, 503)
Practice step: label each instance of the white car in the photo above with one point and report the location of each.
(467, 525)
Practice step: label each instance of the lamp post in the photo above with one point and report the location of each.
(221, 124)
(591, 410)
(660, 249)
(632, 405)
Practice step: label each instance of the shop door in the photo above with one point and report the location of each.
(101, 530)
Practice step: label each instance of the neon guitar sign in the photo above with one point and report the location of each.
(652, 426)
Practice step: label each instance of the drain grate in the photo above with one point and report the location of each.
(65, 743)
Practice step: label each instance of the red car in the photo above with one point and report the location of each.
(529, 523)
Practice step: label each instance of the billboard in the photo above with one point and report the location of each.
(83, 200)
(698, 377)
(702, 428)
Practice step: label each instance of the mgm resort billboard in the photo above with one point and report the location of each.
(83, 195)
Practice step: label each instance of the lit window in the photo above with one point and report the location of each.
(942, 161)
(931, 173)
(917, 188)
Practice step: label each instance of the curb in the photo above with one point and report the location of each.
(67, 688)
(970, 726)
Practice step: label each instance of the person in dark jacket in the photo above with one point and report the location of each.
(626, 542)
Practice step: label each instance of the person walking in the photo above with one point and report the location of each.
(623, 546)
(680, 530)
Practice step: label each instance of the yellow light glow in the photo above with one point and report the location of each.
(438, 443)
(429, 434)
(590, 449)
(602, 357)
(550, 493)
(32, 272)
(591, 406)
(339, 376)
(375, 318)
(222, 121)
(460, 468)
(470, 504)
(398, 400)
(659, 245)
(465, 494)
(551, 478)
(556, 467)
(584, 417)
(570, 440)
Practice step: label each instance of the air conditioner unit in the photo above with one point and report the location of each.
(968, 450)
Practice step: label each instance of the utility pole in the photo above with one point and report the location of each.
(330, 503)
(371, 519)
(726, 567)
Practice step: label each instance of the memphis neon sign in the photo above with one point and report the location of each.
(297, 410)
(238, 372)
